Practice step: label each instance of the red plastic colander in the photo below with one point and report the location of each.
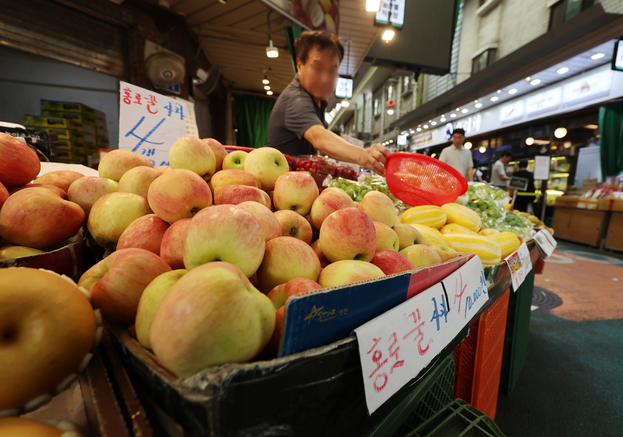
(418, 179)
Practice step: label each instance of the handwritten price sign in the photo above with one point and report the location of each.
(520, 265)
(545, 242)
(149, 123)
(396, 346)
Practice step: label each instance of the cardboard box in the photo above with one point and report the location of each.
(567, 201)
(614, 237)
(51, 105)
(587, 204)
(578, 225)
(610, 204)
(53, 122)
(78, 116)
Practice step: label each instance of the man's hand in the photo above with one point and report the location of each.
(374, 158)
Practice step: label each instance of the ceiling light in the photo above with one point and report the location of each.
(465, 111)
(528, 78)
(391, 141)
(478, 105)
(468, 145)
(591, 126)
(270, 93)
(419, 129)
(529, 141)
(512, 91)
(452, 115)
(390, 112)
(433, 155)
(499, 91)
(411, 131)
(567, 144)
(482, 149)
(345, 103)
(388, 35)
(561, 132)
(495, 98)
(562, 70)
(425, 126)
(373, 5)
(475, 101)
(597, 56)
(272, 51)
(458, 109)
(266, 87)
(433, 123)
(442, 119)
(265, 81)
(535, 82)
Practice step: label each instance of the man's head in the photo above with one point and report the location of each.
(318, 57)
(458, 138)
(506, 157)
(523, 164)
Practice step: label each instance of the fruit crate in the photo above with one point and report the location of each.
(458, 419)
(430, 395)
(479, 358)
(517, 330)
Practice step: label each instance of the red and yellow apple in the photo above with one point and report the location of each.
(270, 225)
(235, 194)
(172, 245)
(235, 160)
(137, 180)
(193, 154)
(294, 225)
(144, 233)
(219, 152)
(391, 262)
(421, 255)
(232, 177)
(295, 191)
(19, 164)
(54, 188)
(85, 191)
(407, 235)
(323, 259)
(329, 201)
(116, 162)
(266, 164)
(178, 194)
(445, 252)
(347, 272)
(386, 238)
(4, 194)
(379, 207)
(61, 179)
(348, 234)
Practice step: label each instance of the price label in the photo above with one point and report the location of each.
(149, 123)
(520, 265)
(545, 242)
(396, 346)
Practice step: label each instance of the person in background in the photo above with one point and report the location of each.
(525, 203)
(297, 125)
(498, 174)
(458, 157)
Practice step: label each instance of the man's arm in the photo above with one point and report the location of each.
(328, 143)
(470, 174)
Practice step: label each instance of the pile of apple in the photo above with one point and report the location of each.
(204, 257)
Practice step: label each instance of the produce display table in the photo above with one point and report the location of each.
(580, 225)
(614, 235)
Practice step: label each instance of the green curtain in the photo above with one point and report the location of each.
(611, 140)
(252, 115)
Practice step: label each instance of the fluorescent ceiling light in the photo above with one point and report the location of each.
(513, 91)
(535, 82)
(495, 98)
(562, 70)
(597, 56)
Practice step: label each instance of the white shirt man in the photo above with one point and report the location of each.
(458, 157)
(498, 173)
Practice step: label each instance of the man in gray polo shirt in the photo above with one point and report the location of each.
(297, 125)
(458, 157)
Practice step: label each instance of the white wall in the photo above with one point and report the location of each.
(25, 79)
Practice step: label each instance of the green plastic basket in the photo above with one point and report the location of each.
(517, 331)
(429, 396)
(458, 419)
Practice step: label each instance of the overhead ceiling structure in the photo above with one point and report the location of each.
(234, 37)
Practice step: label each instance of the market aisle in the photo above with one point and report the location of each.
(571, 384)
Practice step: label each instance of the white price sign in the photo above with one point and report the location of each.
(520, 265)
(541, 168)
(396, 346)
(149, 123)
(545, 242)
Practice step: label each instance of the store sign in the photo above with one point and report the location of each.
(471, 124)
(391, 12)
(541, 168)
(588, 88)
(520, 265)
(545, 243)
(544, 101)
(518, 183)
(149, 123)
(421, 140)
(396, 346)
(449, 131)
(512, 111)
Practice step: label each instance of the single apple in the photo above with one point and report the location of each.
(39, 218)
(235, 194)
(10, 252)
(61, 178)
(295, 191)
(219, 152)
(323, 259)
(379, 207)
(192, 154)
(407, 235)
(294, 225)
(386, 238)
(231, 177)
(445, 253)
(287, 258)
(117, 282)
(329, 201)
(54, 188)
(178, 194)
(347, 272)
(391, 262)
(112, 213)
(211, 316)
(172, 245)
(421, 255)
(4, 194)
(234, 160)
(19, 164)
(279, 296)
(137, 180)
(144, 233)
(267, 164)
(85, 191)
(116, 162)
(225, 233)
(348, 234)
(270, 225)
(149, 302)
